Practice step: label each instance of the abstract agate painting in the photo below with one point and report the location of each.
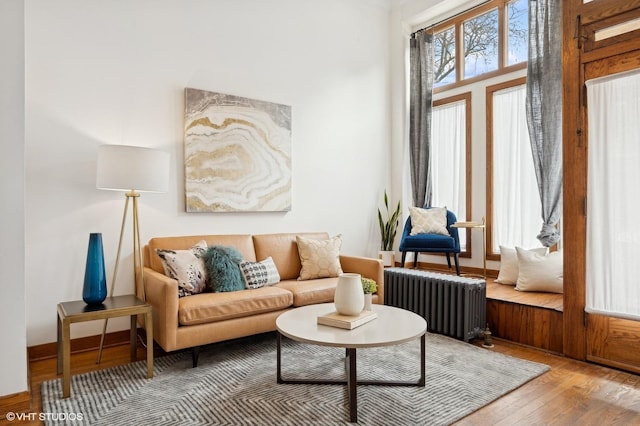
(237, 153)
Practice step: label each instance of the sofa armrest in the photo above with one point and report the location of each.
(368, 268)
(162, 293)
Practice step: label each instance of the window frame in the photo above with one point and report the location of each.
(466, 97)
(503, 30)
(490, 90)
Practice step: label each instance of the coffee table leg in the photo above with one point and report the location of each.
(423, 368)
(278, 350)
(352, 375)
(352, 381)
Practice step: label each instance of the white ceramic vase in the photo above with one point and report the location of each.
(349, 297)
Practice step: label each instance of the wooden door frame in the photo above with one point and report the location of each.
(578, 18)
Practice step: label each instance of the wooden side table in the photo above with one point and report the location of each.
(112, 307)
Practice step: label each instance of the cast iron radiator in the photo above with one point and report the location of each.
(452, 305)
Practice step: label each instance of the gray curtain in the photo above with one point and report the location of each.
(544, 110)
(421, 58)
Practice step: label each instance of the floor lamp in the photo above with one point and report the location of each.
(131, 169)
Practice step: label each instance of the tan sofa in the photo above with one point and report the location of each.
(192, 321)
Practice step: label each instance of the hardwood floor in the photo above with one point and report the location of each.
(572, 393)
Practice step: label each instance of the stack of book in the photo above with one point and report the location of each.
(348, 322)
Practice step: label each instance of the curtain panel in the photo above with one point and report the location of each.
(544, 110)
(448, 160)
(516, 204)
(613, 229)
(421, 93)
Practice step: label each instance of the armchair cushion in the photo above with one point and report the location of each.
(428, 221)
(428, 242)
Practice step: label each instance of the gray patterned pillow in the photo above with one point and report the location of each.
(259, 274)
(187, 267)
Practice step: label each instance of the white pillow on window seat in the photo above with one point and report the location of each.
(538, 272)
(509, 264)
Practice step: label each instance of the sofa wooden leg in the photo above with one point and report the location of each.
(195, 353)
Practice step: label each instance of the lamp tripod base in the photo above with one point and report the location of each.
(137, 259)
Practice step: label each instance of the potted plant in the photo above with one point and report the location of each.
(388, 230)
(369, 287)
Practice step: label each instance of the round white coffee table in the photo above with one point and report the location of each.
(392, 327)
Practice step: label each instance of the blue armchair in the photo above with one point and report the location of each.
(431, 243)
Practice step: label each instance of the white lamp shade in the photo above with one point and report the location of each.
(127, 168)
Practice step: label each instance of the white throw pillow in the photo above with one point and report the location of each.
(539, 273)
(428, 221)
(319, 258)
(509, 264)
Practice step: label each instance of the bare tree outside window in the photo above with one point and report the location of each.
(518, 15)
(444, 55)
(480, 44)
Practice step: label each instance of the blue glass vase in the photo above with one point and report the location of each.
(94, 290)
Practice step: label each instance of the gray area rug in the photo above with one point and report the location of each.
(235, 384)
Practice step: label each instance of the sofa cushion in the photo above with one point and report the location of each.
(310, 292)
(319, 258)
(186, 267)
(212, 307)
(283, 248)
(259, 274)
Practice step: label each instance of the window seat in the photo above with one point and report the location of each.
(529, 318)
(508, 293)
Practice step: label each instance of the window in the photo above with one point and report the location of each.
(481, 44)
(444, 52)
(517, 38)
(512, 190)
(450, 151)
(487, 41)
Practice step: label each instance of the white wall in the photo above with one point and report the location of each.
(114, 72)
(13, 369)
